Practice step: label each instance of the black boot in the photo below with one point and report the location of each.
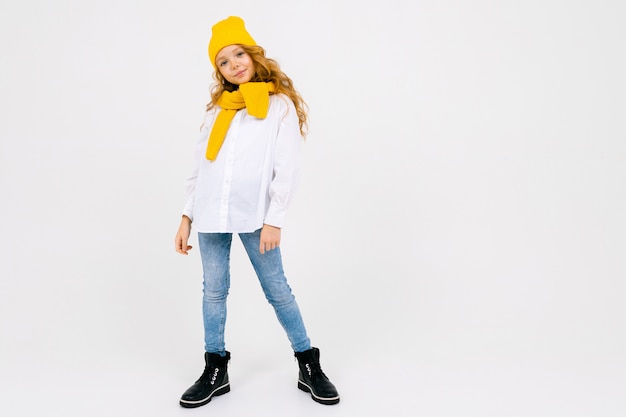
(312, 379)
(212, 382)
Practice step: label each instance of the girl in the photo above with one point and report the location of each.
(245, 169)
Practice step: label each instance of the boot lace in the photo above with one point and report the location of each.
(210, 374)
(314, 370)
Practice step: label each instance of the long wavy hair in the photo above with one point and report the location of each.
(266, 70)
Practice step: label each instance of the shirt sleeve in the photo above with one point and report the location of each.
(286, 169)
(198, 153)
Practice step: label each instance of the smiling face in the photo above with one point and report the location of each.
(235, 64)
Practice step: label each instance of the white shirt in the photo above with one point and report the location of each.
(253, 178)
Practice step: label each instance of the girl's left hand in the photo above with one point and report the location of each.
(270, 238)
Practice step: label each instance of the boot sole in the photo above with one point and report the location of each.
(219, 391)
(322, 400)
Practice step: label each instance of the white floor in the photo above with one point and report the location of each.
(388, 381)
(127, 341)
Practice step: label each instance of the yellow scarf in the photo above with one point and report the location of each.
(255, 97)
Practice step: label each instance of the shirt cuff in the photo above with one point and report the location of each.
(188, 211)
(276, 216)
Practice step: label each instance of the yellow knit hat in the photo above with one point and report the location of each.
(231, 31)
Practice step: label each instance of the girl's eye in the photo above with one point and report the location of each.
(240, 53)
(222, 63)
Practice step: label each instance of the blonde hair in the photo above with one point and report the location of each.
(266, 70)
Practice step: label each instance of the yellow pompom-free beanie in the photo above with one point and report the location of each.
(230, 31)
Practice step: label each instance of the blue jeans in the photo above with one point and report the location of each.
(215, 253)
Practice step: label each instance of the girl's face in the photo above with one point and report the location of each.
(235, 64)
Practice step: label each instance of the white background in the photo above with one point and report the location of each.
(457, 244)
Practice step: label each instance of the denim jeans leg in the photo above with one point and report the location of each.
(215, 253)
(269, 270)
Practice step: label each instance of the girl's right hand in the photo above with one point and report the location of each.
(182, 236)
